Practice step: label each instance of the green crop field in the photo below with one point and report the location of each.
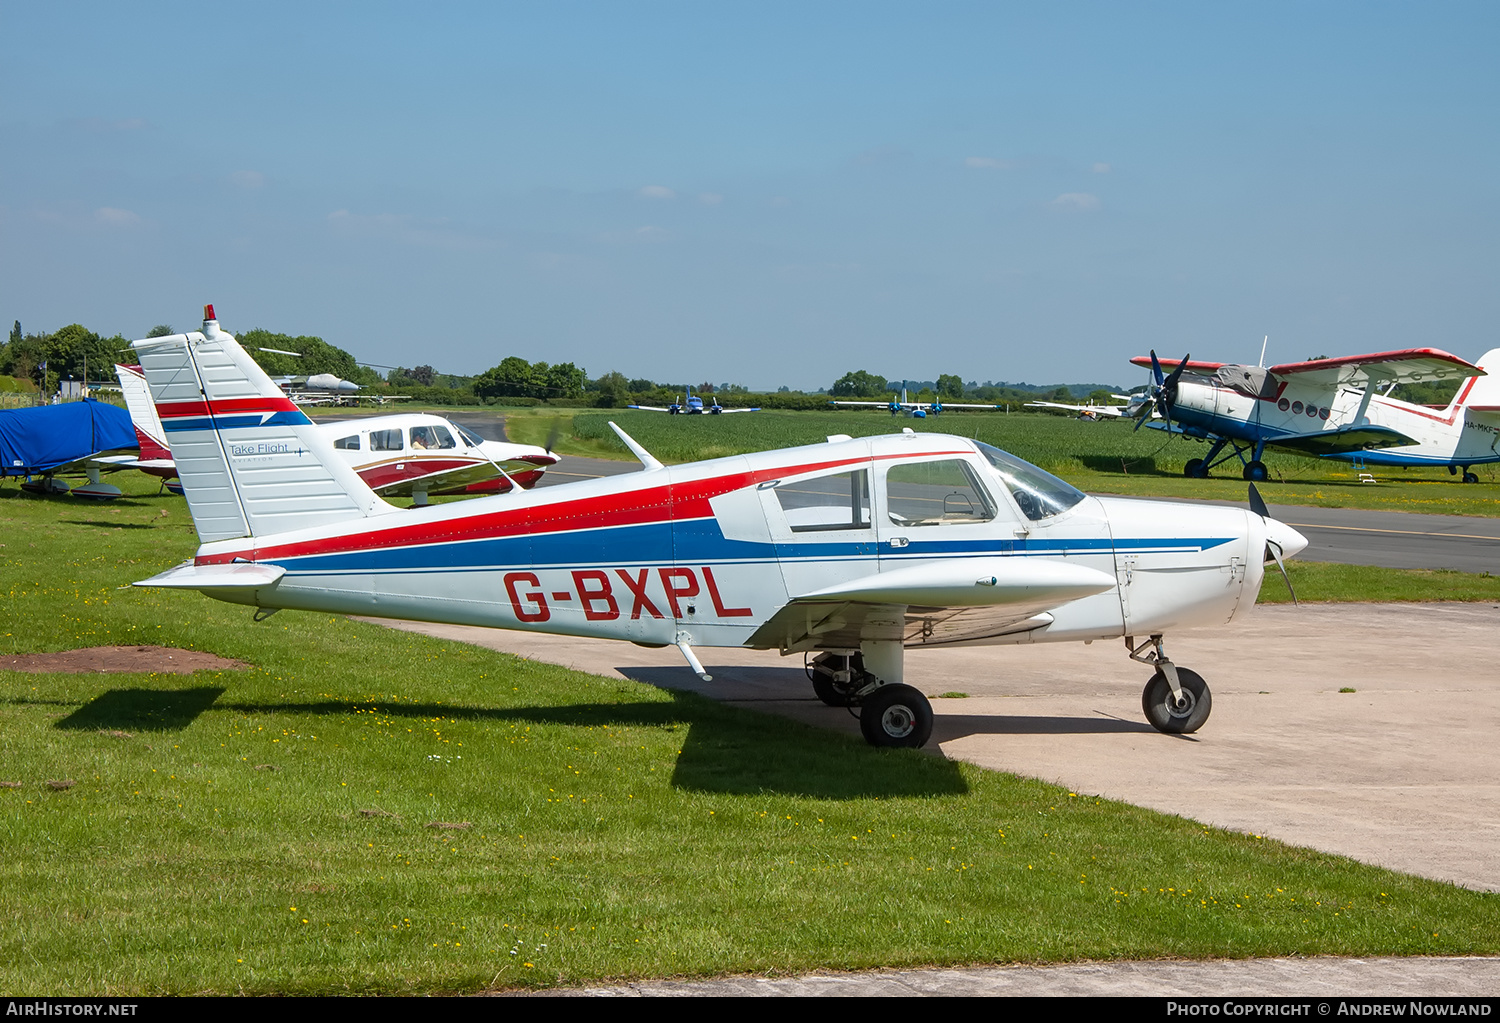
(362, 810)
(1106, 457)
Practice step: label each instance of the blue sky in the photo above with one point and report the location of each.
(762, 193)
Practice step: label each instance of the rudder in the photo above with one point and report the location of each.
(250, 461)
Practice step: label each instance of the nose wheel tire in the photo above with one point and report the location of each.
(1171, 716)
(896, 716)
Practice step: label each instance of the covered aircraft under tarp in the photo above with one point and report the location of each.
(49, 437)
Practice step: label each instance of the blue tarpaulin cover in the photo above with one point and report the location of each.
(35, 440)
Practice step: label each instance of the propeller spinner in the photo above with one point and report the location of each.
(1162, 394)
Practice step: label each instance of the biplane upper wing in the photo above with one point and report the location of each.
(1409, 366)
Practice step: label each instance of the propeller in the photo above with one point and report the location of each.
(1273, 548)
(553, 435)
(1162, 393)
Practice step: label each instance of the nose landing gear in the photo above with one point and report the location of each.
(1176, 700)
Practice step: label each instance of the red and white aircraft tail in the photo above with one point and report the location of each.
(251, 463)
(148, 428)
(1481, 393)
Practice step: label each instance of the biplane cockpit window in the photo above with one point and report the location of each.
(1037, 492)
(838, 501)
(939, 493)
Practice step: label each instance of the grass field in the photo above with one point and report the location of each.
(363, 810)
(1097, 457)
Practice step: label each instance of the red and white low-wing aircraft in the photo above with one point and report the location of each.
(1330, 408)
(407, 455)
(849, 551)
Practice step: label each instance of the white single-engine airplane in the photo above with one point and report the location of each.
(1095, 412)
(850, 551)
(1330, 408)
(409, 455)
(915, 409)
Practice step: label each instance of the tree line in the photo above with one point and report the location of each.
(42, 360)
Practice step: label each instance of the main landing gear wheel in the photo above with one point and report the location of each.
(1470, 477)
(896, 716)
(1195, 469)
(1256, 472)
(1170, 716)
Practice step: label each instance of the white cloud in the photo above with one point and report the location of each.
(1101, 168)
(989, 163)
(115, 217)
(710, 198)
(1076, 201)
(656, 192)
(248, 178)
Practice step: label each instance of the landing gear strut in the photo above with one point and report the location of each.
(890, 714)
(1176, 700)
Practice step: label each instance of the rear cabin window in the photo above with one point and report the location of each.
(840, 501)
(940, 493)
(347, 443)
(386, 440)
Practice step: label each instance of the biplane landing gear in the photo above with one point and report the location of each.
(1195, 469)
(1176, 700)
(896, 716)
(1256, 472)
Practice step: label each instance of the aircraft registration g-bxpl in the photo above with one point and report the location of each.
(849, 551)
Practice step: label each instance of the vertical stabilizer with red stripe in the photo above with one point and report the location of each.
(148, 428)
(251, 463)
(1482, 394)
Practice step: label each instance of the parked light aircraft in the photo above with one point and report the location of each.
(915, 409)
(1095, 412)
(693, 407)
(848, 551)
(409, 455)
(41, 443)
(1331, 408)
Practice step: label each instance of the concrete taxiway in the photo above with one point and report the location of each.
(1403, 771)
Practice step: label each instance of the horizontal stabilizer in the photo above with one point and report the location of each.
(212, 579)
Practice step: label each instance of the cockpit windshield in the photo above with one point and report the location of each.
(1038, 493)
(473, 439)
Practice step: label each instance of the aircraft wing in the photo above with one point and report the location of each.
(1412, 365)
(949, 404)
(726, 411)
(649, 408)
(1093, 410)
(872, 404)
(946, 602)
(1167, 365)
(1337, 442)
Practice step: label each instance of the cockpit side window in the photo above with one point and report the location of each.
(347, 443)
(839, 501)
(387, 440)
(939, 493)
(1038, 493)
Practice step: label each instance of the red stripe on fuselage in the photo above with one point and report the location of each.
(685, 500)
(224, 406)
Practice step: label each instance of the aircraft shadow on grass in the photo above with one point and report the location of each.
(723, 751)
(143, 710)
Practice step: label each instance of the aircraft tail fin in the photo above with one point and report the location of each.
(1482, 394)
(251, 463)
(148, 428)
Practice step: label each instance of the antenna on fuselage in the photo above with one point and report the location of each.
(1262, 363)
(647, 459)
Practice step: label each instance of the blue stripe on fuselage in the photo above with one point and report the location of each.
(697, 541)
